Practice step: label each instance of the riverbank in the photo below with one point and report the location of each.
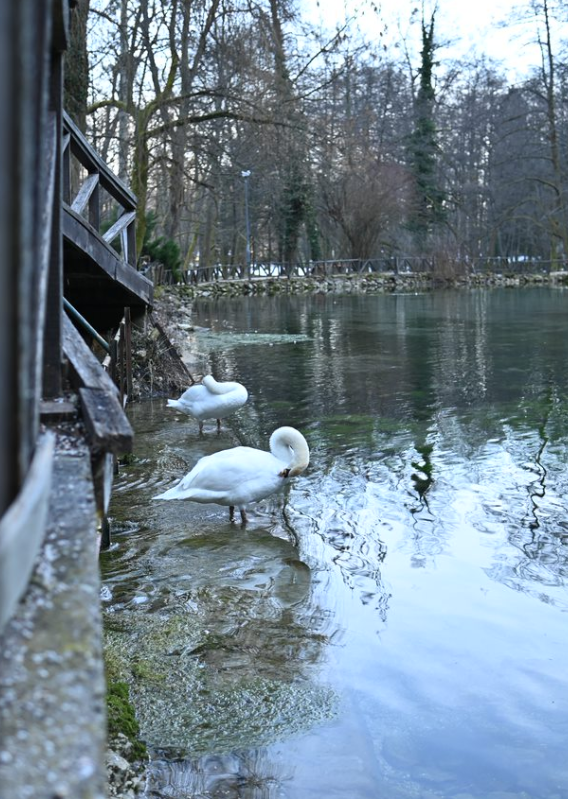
(159, 370)
(368, 283)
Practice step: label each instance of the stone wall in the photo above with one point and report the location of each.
(368, 284)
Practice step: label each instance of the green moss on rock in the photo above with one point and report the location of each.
(121, 717)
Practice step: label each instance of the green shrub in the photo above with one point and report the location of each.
(160, 249)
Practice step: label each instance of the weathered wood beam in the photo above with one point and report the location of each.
(84, 194)
(107, 427)
(79, 233)
(86, 367)
(61, 22)
(50, 277)
(121, 224)
(53, 411)
(22, 528)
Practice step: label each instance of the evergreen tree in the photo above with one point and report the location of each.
(424, 149)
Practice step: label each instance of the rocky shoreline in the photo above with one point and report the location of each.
(158, 369)
(368, 283)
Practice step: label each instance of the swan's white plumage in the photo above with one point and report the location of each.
(210, 400)
(241, 475)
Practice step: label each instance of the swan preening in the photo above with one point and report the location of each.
(241, 475)
(210, 400)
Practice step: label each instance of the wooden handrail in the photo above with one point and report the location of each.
(87, 198)
(92, 161)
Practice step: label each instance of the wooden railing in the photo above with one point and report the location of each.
(360, 266)
(93, 191)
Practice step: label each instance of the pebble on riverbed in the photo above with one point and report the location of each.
(125, 780)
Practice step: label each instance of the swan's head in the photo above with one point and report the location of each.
(289, 446)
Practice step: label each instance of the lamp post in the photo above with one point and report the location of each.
(246, 175)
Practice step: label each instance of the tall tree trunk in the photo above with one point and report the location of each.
(124, 92)
(558, 215)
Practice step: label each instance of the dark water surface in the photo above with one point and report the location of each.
(395, 625)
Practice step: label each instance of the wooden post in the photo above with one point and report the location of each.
(121, 361)
(113, 360)
(128, 338)
(94, 207)
(52, 372)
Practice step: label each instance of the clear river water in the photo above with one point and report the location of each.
(394, 624)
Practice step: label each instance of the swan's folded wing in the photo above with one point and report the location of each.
(194, 394)
(227, 470)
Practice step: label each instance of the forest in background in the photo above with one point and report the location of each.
(236, 124)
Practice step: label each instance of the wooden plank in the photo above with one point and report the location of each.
(103, 468)
(121, 224)
(22, 528)
(52, 411)
(86, 367)
(107, 426)
(84, 194)
(61, 25)
(66, 168)
(122, 363)
(128, 342)
(49, 287)
(95, 207)
(129, 245)
(83, 236)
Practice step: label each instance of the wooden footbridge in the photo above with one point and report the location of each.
(69, 291)
(87, 324)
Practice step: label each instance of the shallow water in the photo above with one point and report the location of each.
(395, 624)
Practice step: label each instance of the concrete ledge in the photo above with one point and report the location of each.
(52, 688)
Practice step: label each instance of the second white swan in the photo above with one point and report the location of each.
(210, 400)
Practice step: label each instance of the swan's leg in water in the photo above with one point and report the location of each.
(232, 514)
(200, 427)
(218, 425)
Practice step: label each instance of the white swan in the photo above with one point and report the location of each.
(238, 476)
(210, 400)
